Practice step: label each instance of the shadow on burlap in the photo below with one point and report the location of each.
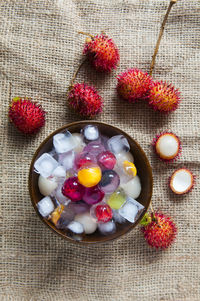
(40, 50)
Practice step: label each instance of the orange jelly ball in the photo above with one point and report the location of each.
(89, 175)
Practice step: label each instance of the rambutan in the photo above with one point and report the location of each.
(163, 97)
(102, 52)
(181, 181)
(167, 146)
(27, 116)
(161, 232)
(133, 84)
(85, 100)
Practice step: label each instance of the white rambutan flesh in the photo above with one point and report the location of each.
(167, 146)
(181, 181)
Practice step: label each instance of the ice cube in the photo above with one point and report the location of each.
(64, 142)
(118, 144)
(124, 178)
(45, 165)
(45, 206)
(53, 154)
(132, 187)
(75, 227)
(117, 217)
(79, 141)
(107, 228)
(67, 160)
(124, 156)
(59, 172)
(91, 132)
(131, 210)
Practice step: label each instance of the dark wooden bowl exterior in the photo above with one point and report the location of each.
(142, 164)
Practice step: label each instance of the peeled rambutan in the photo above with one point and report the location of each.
(85, 100)
(167, 146)
(163, 97)
(27, 116)
(161, 232)
(102, 52)
(181, 181)
(133, 84)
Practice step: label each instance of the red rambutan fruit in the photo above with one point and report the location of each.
(161, 232)
(181, 181)
(133, 84)
(167, 146)
(27, 116)
(163, 97)
(102, 52)
(85, 100)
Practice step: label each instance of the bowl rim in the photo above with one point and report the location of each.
(62, 235)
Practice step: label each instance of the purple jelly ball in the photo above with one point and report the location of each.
(72, 189)
(79, 207)
(109, 181)
(94, 148)
(93, 195)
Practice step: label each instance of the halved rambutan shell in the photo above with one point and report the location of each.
(167, 146)
(181, 181)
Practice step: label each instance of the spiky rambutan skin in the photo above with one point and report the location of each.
(161, 232)
(102, 53)
(85, 100)
(163, 97)
(172, 158)
(27, 116)
(133, 84)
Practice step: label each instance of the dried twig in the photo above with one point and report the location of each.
(172, 2)
(75, 74)
(86, 34)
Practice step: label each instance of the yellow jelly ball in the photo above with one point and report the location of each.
(57, 213)
(129, 168)
(89, 176)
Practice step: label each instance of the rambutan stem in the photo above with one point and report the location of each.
(86, 34)
(153, 214)
(75, 74)
(152, 210)
(172, 2)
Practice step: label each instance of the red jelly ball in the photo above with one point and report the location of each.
(83, 158)
(107, 160)
(103, 213)
(72, 189)
(93, 195)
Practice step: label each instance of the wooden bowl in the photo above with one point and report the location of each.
(141, 162)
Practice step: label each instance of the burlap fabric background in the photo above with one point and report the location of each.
(40, 49)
